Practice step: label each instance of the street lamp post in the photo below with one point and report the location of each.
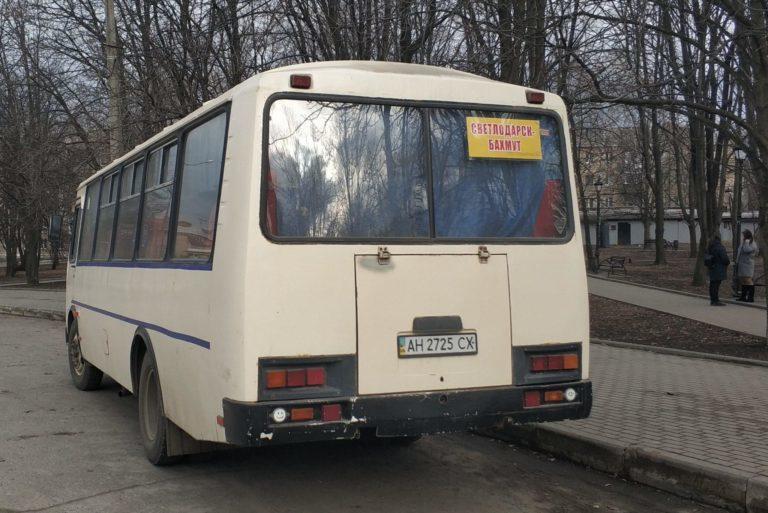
(739, 156)
(598, 188)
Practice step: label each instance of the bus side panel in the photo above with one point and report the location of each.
(194, 318)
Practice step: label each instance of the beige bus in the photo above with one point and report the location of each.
(333, 250)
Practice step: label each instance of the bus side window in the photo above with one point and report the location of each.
(88, 230)
(73, 234)
(106, 220)
(156, 213)
(128, 212)
(200, 181)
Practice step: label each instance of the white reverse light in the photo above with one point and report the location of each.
(279, 414)
(570, 394)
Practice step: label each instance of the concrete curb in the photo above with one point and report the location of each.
(680, 292)
(680, 475)
(681, 352)
(32, 312)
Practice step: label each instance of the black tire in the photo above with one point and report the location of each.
(152, 421)
(84, 375)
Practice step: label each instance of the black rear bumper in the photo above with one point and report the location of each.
(250, 424)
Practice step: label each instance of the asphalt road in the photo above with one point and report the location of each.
(62, 450)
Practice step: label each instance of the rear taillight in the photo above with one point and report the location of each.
(532, 398)
(535, 398)
(302, 414)
(295, 378)
(331, 412)
(558, 362)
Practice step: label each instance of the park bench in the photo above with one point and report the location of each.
(614, 264)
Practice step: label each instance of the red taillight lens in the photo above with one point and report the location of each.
(331, 412)
(555, 363)
(570, 362)
(296, 378)
(534, 97)
(531, 399)
(538, 363)
(302, 414)
(276, 379)
(315, 376)
(301, 81)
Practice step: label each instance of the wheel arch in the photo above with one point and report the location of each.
(141, 345)
(71, 315)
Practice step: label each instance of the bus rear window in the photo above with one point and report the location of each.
(371, 171)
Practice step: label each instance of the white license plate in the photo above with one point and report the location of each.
(436, 345)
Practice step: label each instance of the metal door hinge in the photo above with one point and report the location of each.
(483, 254)
(384, 255)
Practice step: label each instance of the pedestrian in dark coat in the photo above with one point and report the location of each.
(717, 261)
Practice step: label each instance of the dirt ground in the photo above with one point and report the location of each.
(614, 320)
(677, 274)
(46, 273)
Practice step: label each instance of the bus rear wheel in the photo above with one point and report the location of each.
(152, 421)
(84, 375)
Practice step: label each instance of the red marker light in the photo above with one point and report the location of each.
(534, 97)
(315, 376)
(276, 379)
(331, 412)
(301, 81)
(532, 398)
(296, 378)
(538, 363)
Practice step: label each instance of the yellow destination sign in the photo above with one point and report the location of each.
(499, 138)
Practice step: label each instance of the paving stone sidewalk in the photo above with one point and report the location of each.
(716, 412)
(707, 417)
(732, 316)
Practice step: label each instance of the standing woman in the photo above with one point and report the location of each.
(745, 258)
(717, 261)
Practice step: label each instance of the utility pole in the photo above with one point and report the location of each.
(115, 83)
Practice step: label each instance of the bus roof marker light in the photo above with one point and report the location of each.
(536, 97)
(301, 81)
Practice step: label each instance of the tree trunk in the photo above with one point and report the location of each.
(32, 262)
(10, 258)
(692, 253)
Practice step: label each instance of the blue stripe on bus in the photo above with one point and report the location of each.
(154, 327)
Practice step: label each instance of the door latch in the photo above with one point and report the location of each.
(384, 255)
(483, 254)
